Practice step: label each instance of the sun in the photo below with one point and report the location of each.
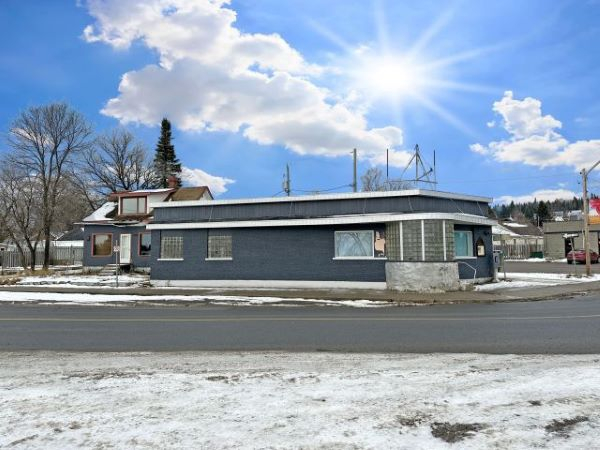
(402, 79)
(387, 75)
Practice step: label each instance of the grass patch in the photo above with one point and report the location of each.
(564, 426)
(454, 432)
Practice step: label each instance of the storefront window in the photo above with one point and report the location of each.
(463, 243)
(354, 244)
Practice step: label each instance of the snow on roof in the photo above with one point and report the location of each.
(501, 230)
(101, 213)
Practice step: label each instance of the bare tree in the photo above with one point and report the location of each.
(372, 180)
(46, 140)
(20, 210)
(116, 162)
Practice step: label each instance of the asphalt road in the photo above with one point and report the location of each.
(559, 326)
(548, 267)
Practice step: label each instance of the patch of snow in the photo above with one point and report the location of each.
(100, 299)
(125, 280)
(525, 280)
(298, 400)
(527, 260)
(100, 213)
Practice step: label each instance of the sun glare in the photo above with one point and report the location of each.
(384, 76)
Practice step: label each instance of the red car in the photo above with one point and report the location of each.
(579, 257)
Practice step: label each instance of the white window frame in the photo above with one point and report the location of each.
(355, 257)
(470, 245)
(227, 258)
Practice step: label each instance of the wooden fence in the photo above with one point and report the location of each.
(519, 250)
(59, 256)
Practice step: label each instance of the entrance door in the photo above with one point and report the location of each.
(125, 256)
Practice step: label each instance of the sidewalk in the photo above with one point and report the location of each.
(503, 295)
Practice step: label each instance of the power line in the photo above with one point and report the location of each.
(324, 190)
(507, 179)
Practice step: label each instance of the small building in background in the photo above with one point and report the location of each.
(561, 237)
(518, 240)
(115, 234)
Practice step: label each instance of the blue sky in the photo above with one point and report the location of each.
(505, 92)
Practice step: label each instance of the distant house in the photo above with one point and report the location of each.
(116, 232)
(72, 238)
(517, 240)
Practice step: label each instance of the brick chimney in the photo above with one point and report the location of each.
(172, 182)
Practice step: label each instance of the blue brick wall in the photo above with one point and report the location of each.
(483, 264)
(100, 261)
(282, 253)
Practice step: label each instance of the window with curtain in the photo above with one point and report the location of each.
(145, 244)
(354, 244)
(463, 243)
(102, 244)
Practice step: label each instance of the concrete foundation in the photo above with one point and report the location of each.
(422, 276)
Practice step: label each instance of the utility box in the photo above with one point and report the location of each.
(498, 259)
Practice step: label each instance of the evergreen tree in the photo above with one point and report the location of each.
(543, 212)
(166, 163)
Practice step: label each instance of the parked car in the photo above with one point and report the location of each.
(579, 256)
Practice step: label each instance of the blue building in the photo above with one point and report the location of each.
(403, 240)
(115, 234)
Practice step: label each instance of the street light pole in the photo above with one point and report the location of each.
(586, 220)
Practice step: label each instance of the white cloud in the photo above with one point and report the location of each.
(534, 138)
(539, 195)
(478, 148)
(213, 77)
(198, 177)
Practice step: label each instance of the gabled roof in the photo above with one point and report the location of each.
(522, 229)
(189, 193)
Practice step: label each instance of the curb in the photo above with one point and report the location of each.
(399, 299)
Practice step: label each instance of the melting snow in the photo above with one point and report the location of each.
(299, 400)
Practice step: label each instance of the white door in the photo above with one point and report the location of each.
(125, 256)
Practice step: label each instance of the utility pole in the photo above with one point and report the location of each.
(354, 181)
(586, 220)
(287, 184)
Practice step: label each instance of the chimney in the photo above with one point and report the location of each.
(173, 182)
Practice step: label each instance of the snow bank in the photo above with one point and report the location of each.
(289, 401)
(125, 280)
(100, 299)
(525, 280)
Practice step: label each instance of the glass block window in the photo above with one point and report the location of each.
(171, 247)
(220, 247)
(354, 244)
(102, 244)
(463, 243)
(145, 244)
